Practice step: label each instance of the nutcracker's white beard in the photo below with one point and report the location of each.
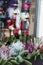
(11, 12)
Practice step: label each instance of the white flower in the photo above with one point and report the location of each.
(15, 47)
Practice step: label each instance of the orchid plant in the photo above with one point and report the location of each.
(21, 51)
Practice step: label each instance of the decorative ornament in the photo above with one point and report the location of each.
(26, 4)
(8, 22)
(26, 32)
(25, 15)
(15, 31)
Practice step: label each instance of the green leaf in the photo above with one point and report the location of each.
(35, 53)
(22, 52)
(11, 38)
(1, 60)
(11, 58)
(7, 63)
(27, 62)
(20, 59)
(41, 56)
(14, 62)
(35, 57)
(20, 37)
(29, 56)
